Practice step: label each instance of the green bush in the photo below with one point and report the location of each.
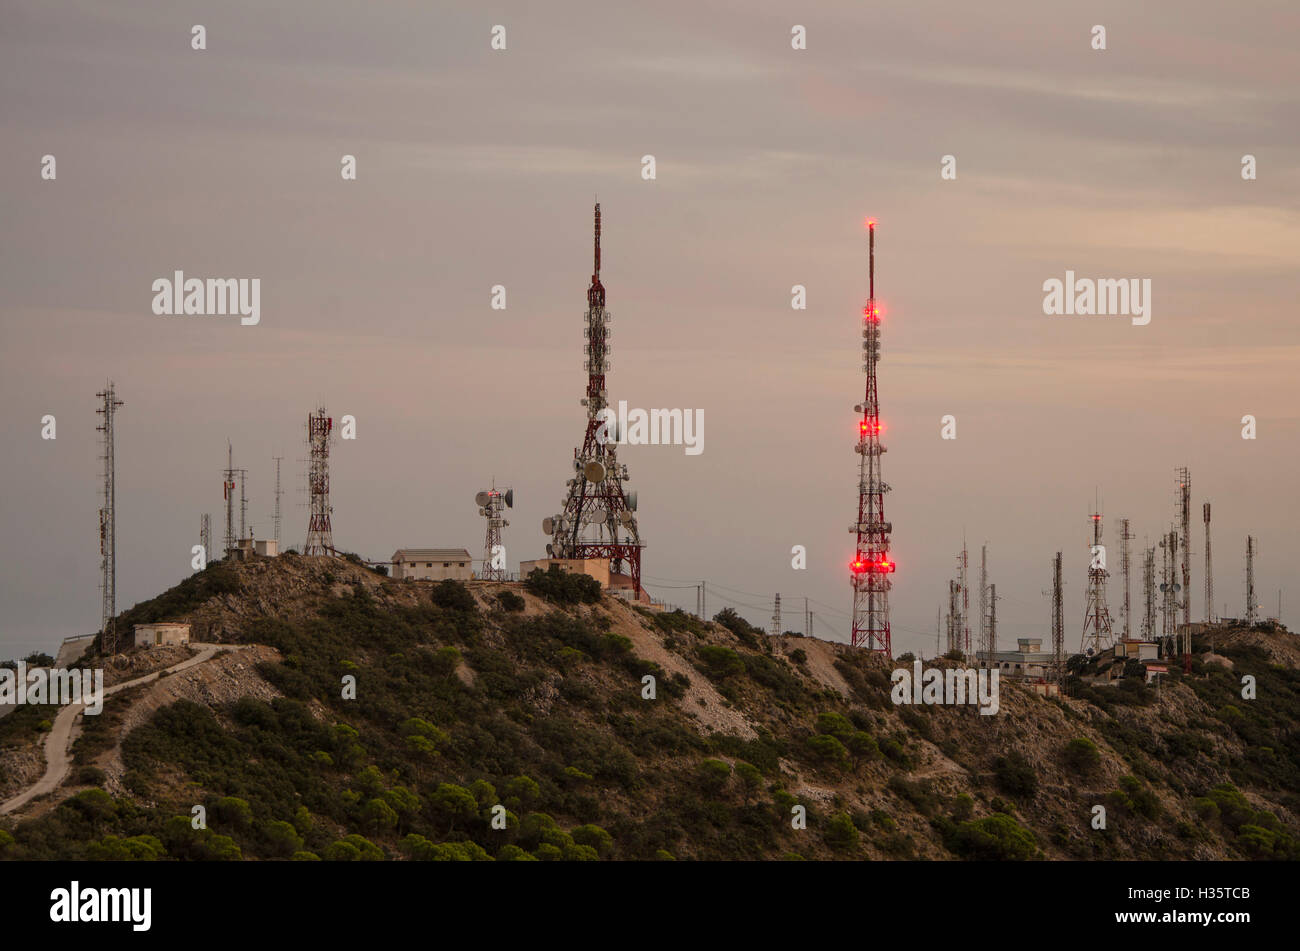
(1082, 755)
(719, 663)
(996, 838)
(453, 596)
(1015, 776)
(510, 601)
(563, 587)
(841, 834)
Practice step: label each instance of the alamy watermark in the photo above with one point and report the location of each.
(958, 685)
(656, 427)
(214, 296)
(57, 686)
(1104, 297)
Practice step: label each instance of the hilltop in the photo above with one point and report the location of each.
(527, 703)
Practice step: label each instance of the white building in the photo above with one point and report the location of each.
(162, 633)
(433, 564)
(1027, 662)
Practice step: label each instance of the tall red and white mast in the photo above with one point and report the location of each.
(871, 565)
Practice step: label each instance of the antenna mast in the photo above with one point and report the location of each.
(228, 493)
(275, 516)
(108, 525)
(1209, 567)
(871, 566)
(320, 533)
(598, 520)
(1096, 619)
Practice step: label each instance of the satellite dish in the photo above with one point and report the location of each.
(594, 471)
(631, 500)
(626, 517)
(548, 527)
(510, 498)
(549, 553)
(481, 500)
(482, 511)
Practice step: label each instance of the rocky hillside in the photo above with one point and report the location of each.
(381, 719)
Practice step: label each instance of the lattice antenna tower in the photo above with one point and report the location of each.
(1125, 536)
(492, 504)
(599, 516)
(243, 503)
(1184, 479)
(984, 599)
(1252, 604)
(1058, 621)
(963, 565)
(1149, 594)
(871, 566)
(320, 531)
(275, 515)
(108, 639)
(205, 535)
(1097, 632)
(228, 494)
(776, 615)
(1209, 566)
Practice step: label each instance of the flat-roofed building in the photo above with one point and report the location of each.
(162, 633)
(433, 564)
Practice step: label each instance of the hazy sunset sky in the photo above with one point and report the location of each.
(479, 167)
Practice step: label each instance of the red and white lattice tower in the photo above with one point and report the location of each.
(1097, 632)
(599, 519)
(320, 534)
(871, 566)
(492, 505)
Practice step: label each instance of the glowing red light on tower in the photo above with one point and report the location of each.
(869, 223)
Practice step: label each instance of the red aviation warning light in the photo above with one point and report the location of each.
(883, 566)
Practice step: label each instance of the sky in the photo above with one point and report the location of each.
(479, 167)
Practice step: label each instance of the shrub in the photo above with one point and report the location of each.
(841, 834)
(1015, 776)
(995, 838)
(713, 775)
(563, 587)
(510, 601)
(91, 776)
(1082, 755)
(453, 596)
(719, 663)
(828, 749)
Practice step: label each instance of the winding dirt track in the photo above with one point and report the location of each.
(57, 757)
